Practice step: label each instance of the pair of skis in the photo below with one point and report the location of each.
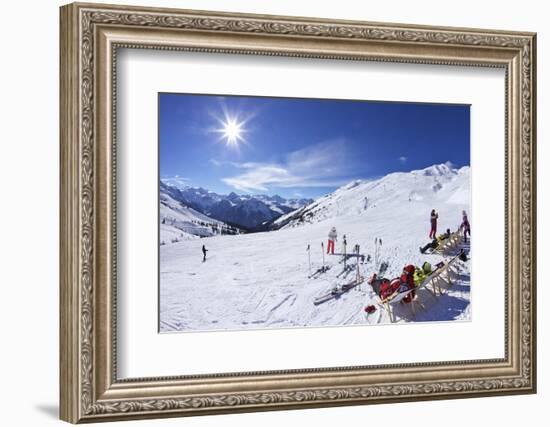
(347, 269)
(323, 269)
(319, 271)
(337, 291)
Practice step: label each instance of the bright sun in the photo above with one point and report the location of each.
(231, 131)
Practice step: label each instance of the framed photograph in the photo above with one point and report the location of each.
(265, 212)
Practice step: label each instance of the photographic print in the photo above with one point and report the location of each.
(288, 212)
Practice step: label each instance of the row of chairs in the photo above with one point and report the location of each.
(433, 281)
(449, 244)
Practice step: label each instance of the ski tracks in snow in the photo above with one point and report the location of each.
(260, 280)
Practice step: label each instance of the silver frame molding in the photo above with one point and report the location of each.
(90, 37)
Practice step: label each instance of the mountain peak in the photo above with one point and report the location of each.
(443, 169)
(351, 184)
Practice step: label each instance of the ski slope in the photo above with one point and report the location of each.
(260, 280)
(179, 222)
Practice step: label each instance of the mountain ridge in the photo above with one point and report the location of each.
(358, 196)
(249, 212)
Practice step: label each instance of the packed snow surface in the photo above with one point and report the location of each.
(260, 280)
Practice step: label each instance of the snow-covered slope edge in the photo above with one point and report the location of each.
(439, 184)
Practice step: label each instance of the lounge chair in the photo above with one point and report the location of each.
(433, 280)
(397, 297)
(450, 243)
(441, 273)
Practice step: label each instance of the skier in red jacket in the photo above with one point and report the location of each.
(433, 222)
(407, 282)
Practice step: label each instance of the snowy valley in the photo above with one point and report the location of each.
(260, 279)
(247, 212)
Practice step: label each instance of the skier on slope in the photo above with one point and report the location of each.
(465, 226)
(332, 237)
(433, 223)
(204, 250)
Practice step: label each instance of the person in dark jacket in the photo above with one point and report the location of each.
(435, 242)
(383, 287)
(433, 223)
(204, 250)
(465, 226)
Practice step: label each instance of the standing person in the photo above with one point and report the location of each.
(465, 225)
(345, 244)
(204, 250)
(433, 222)
(332, 237)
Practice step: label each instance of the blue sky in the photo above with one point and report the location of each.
(302, 147)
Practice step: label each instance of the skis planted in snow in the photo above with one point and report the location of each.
(345, 270)
(348, 256)
(344, 257)
(337, 291)
(349, 270)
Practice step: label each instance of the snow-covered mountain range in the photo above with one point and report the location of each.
(261, 280)
(179, 222)
(250, 212)
(437, 183)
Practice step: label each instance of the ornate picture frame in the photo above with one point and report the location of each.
(90, 37)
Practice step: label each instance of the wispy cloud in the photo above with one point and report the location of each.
(403, 159)
(216, 162)
(327, 164)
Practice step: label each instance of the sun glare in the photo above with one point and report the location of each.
(231, 131)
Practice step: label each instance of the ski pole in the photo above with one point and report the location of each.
(309, 259)
(357, 266)
(323, 252)
(345, 256)
(376, 242)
